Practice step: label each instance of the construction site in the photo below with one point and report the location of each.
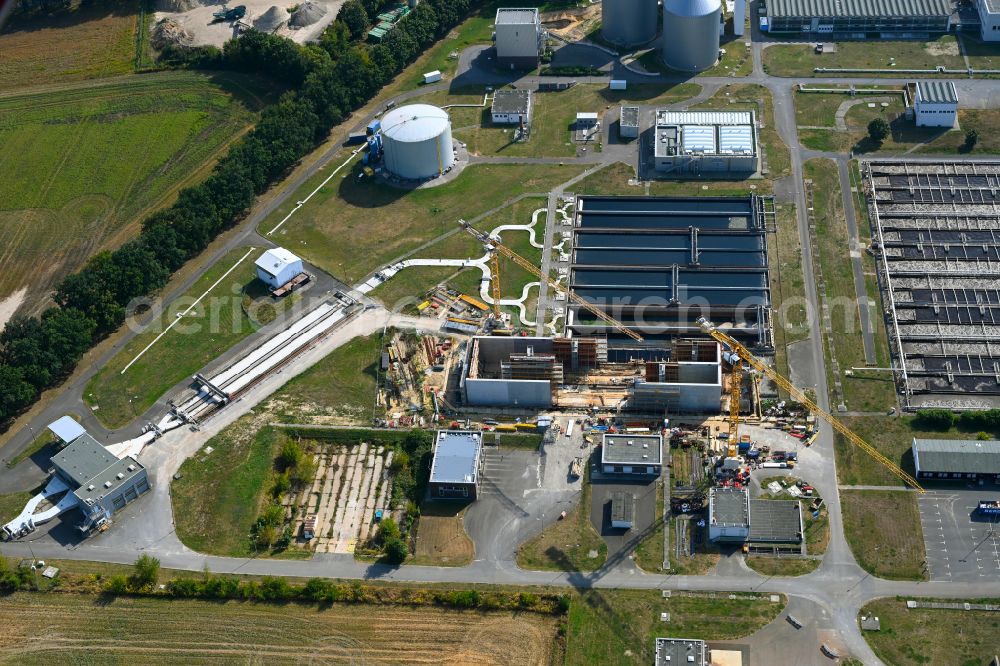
(935, 237)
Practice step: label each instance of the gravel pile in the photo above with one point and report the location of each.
(271, 20)
(307, 14)
(168, 32)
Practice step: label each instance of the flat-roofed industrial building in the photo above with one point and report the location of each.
(102, 483)
(511, 107)
(728, 515)
(627, 454)
(705, 142)
(956, 459)
(519, 37)
(859, 19)
(681, 652)
(622, 510)
(657, 264)
(456, 465)
(628, 122)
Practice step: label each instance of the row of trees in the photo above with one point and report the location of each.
(328, 81)
(986, 420)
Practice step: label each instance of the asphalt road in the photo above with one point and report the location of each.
(829, 598)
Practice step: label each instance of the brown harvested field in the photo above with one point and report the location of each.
(71, 628)
(441, 536)
(84, 43)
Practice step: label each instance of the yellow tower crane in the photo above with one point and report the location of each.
(498, 247)
(495, 286)
(735, 384)
(761, 367)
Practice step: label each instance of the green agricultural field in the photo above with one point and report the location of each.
(83, 165)
(611, 627)
(385, 222)
(92, 40)
(212, 326)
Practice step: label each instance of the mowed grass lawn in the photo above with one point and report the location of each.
(83, 165)
(893, 437)
(611, 627)
(801, 59)
(94, 629)
(553, 117)
(217, 495)
(863, 392)
(931, 636)
(883, 529)
(352, 227)
(94, 39)
(214, 325)
(340, 389)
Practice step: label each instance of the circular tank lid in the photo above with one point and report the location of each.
(692, 7)
(414, 123)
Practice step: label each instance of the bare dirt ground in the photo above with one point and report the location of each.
(198, 23)
(572, 24)
(441, 536)
(10, 304)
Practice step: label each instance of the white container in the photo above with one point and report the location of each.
(432, 77)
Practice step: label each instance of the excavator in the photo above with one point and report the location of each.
(745, 356)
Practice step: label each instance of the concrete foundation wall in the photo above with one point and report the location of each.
(508, 392)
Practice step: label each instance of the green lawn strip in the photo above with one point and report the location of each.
(136, 141)
(787, 284)
(737, 61)
(922, 636)
(384, 222)
(340, 388)
(612, 627)
(214, 325)
(217, 495)
(783, 566)
(802, 59)
(883, 530)
(893, 437)
(863, 391)
(566, 544)
(11, 505)
(649, 552)
(553, 116)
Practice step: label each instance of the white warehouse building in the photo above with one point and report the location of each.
(935, 104)
(989, 19)
(519, 38)
(277, 266)
(705, 141)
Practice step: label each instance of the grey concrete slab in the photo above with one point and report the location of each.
(621, 542)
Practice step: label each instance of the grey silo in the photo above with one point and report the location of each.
(417, 141)
(691, 34)
(628, 22)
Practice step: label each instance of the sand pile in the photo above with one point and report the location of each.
(176, 5)
(307, 14)
(167, 32)
(271, 20)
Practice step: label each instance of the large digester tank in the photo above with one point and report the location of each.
(416, 141)
(691, 34)
(628, 22)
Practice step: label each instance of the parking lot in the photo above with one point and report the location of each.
(960, 546)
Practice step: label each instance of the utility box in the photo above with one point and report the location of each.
(432, 77)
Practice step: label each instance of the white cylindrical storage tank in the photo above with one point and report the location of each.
(691, 34)
(416, 141)
(628, 22)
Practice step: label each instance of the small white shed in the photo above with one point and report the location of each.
(936, 104)
(66, 429)
(277, 266)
